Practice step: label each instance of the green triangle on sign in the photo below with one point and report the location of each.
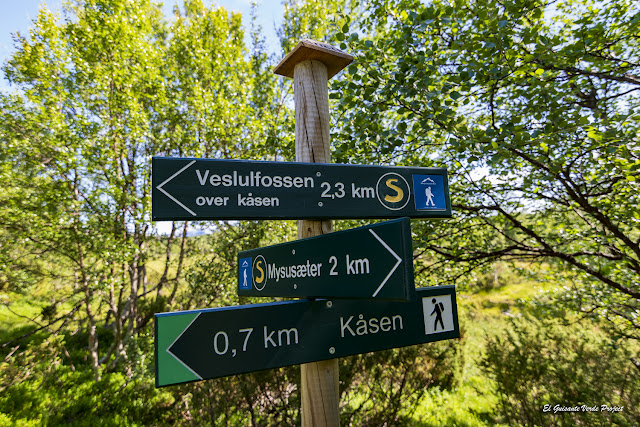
(169, 369)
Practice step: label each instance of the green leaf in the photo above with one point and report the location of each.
(593, 134)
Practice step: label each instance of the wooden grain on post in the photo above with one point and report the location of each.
(312, 112)
(312, 64)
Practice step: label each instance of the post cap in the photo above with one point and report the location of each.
(333, 58)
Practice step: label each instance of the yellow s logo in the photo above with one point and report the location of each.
(399, 193)
(260, 278)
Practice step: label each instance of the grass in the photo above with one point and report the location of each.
(444, 408)
(472, 402)
(16, 312)
(483, 312)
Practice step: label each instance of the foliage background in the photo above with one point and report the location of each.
(532, 107)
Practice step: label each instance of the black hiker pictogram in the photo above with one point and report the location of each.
(438, 309)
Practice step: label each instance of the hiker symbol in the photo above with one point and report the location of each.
(438, 314)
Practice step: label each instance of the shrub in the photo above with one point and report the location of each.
(538, 363)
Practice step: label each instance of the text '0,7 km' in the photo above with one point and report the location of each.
(371, 262)
(195, 189)
(211, 343)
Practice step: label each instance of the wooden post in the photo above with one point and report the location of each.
(312, 64)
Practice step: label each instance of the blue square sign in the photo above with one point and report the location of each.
(244, 275)
(428, 191)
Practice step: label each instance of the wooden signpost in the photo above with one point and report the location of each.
(309, 64)
(366, 272)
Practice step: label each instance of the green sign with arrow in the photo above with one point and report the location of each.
(211, 343)
(371, 262)
(199, 189)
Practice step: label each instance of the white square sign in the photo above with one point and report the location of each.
(438, 314)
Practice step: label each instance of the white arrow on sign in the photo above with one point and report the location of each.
(159, 187)
(394, 267)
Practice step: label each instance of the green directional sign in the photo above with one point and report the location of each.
(373, 262)
(211, 343)
(199, 189)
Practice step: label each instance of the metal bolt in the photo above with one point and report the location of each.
(320, 204)
(329, 304)
(293, 251)
(332, 350)
(295, 286)
(318, 174)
